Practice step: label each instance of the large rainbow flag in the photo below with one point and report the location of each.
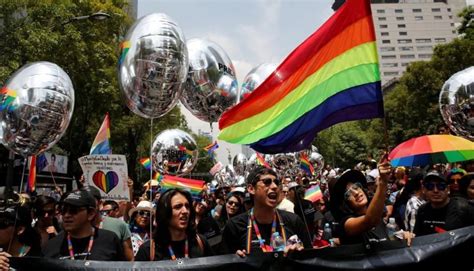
(331, 77)
(193, 186)
(101, 141)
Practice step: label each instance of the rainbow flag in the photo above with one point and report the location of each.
(261, 160)
(32, 175)
(305, 164)
(146, 163)
(7, 97)
(331, 77)
(313, 193)
(211, 148)
(157, 176)
(101, 141)
(124, 47)
(193, 186)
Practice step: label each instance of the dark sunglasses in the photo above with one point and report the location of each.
(431, 186)
(5, 223)
(232, 203)
(106, 212)
(42, 213)
(144, 213)
(73, 210)
(269, 181)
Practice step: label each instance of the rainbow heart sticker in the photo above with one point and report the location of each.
(106, 182)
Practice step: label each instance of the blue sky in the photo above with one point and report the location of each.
(250, 31)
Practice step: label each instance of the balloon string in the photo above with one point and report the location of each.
(23, 175)
(152, 244)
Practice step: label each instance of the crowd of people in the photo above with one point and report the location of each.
(368, 204)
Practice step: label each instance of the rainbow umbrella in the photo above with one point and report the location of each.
(432, 149)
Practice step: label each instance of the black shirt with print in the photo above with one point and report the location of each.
(374, 235)
(458, 213)
(162, 252)
(235, 232)
(106, 247)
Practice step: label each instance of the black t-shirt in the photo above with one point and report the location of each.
(235, 232)
(162, 253)
(458, 213)
(106, 247)
(374, 235)
(208, 227)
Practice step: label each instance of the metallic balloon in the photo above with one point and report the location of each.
(174, 152)
(251, 162)
(226, 176)
(239, 162)
(283, 161)
(153, 65)
(211, 86)
(254, 78)
(317, 160)
(456, 102)
(36, 105)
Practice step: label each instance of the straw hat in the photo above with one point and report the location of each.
(142, 205)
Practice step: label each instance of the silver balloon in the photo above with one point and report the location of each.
(281, 162)
(317, 160)
(254, 78)
(211, 86)
(251, 162)
(239, 162)
(226, 176)
(36, 105)
(153, 70)
(456, 102)
(174, 152)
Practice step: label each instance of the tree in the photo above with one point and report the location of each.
(88, 51)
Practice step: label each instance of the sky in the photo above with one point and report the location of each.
(251, 32)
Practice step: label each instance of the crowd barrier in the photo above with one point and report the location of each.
(431, 252)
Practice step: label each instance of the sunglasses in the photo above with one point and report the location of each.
(144, 213)
(269, 181)
(106, 212)
(233, 203)
(42, 213)
(355, 188)
(431, 186)
(73, 210)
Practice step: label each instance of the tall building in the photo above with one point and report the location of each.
(408, 30)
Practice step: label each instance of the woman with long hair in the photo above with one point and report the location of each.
(175, 234)
(233, 206)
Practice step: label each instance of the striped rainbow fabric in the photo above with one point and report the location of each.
(313, 193)
(192, 186)
(331, 77)
(146, 163)
(101, 141)
(305, 164)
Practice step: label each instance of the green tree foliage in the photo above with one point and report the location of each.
(88, 51)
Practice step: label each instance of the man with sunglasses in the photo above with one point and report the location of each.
(80, 240)
(252, 231)
(441, 213)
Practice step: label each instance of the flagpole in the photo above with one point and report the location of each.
(152, 249)
(23, 174)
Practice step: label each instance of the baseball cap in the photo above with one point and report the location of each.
(93, 191)
(434, 176)
(80, 198)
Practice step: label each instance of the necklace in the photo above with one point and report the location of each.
(89, 247)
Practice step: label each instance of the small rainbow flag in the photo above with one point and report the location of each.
(32, 175)
(187, 153)
(7, 97)
(101, 141)
(332, 77)
(146, 163)
(211, 148)
(305, 164)
(193, 186)
(157, 176)
(124, 47)
(261, 161)
(313, 193)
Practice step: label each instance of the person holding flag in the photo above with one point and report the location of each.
(255, 231)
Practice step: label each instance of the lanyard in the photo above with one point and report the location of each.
(23, 250)
(252, 221)
(186, 251)
(89, 247)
